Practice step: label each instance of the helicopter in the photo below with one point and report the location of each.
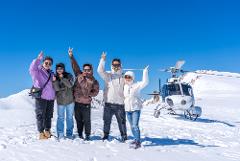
(176, 95)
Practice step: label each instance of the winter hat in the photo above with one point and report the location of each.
(60, 65)
(130, 73)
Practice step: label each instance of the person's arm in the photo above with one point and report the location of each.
(101, 67)
(145, 79)
(35, 64)
(68, 82)
(75, 66)
(56, 86)
(95, 89)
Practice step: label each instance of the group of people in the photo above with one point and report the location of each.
(74, 96)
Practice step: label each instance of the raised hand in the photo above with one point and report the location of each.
(54, 78)
(146, 68)
(60, 75)
(70, 52)
(90, 80)
(40, 56)
(104, 54)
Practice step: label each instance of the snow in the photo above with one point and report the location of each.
(213, 137)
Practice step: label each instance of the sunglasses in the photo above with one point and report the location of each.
(59, 68)
(87, 70)
(127, 77)
(48, 63)
(116, 65)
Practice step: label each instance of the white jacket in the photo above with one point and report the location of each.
(132, 91)
(114, 84)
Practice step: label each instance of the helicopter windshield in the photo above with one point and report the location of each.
(174, 89)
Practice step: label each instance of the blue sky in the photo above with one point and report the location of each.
(203, 32)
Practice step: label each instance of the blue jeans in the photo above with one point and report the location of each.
(61, 110)
(133, 118)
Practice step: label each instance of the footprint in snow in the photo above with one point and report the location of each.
(93, 159)
(3, 146)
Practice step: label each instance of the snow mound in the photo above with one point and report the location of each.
(18, 100)
(204, 81)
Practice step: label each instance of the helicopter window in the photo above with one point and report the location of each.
(187, 90)
(174, 89)
(190, 91)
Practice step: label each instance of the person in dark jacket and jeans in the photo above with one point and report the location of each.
(63, 85)
(44, 106)
(85, 87)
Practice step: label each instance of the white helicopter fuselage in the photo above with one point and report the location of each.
(179, 102)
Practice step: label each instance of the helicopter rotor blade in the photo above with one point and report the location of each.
(164, 70)
(179, 64)
(153, 94)
(132, 69)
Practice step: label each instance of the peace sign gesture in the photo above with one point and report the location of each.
(70, 52)
(104, 54)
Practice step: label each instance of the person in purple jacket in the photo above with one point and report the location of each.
(40, 73)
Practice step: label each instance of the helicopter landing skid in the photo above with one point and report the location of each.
(189, 116)
(157, 112)
(171, 111)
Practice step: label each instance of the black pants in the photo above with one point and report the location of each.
(120, 114)
(83, 118)
(44, 114)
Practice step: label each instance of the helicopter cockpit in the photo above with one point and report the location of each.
(175, 89)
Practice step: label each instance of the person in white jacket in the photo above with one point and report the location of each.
(133, 103)
(113, 97)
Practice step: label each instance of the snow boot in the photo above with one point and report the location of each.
(87, 138)
(123, 138)
(105, 137)
(47, 134)
(42, 136)
(133, 142)
(135, 145)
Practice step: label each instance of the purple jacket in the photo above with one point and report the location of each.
(40, 77)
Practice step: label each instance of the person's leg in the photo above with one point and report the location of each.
(60, 121)
(107, 118)
(121, 119)
(39, 110)
(129, 117)
(135, 125)
(87, 121)
(48, 118)
(130, 120)
(49, 115)
(79, 119)
(70, 123)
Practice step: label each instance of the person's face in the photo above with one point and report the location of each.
(47, 64)
(87, 70)
(116, 66)
(128, 79)
(60, 70)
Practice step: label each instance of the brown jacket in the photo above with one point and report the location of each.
(85, 87)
